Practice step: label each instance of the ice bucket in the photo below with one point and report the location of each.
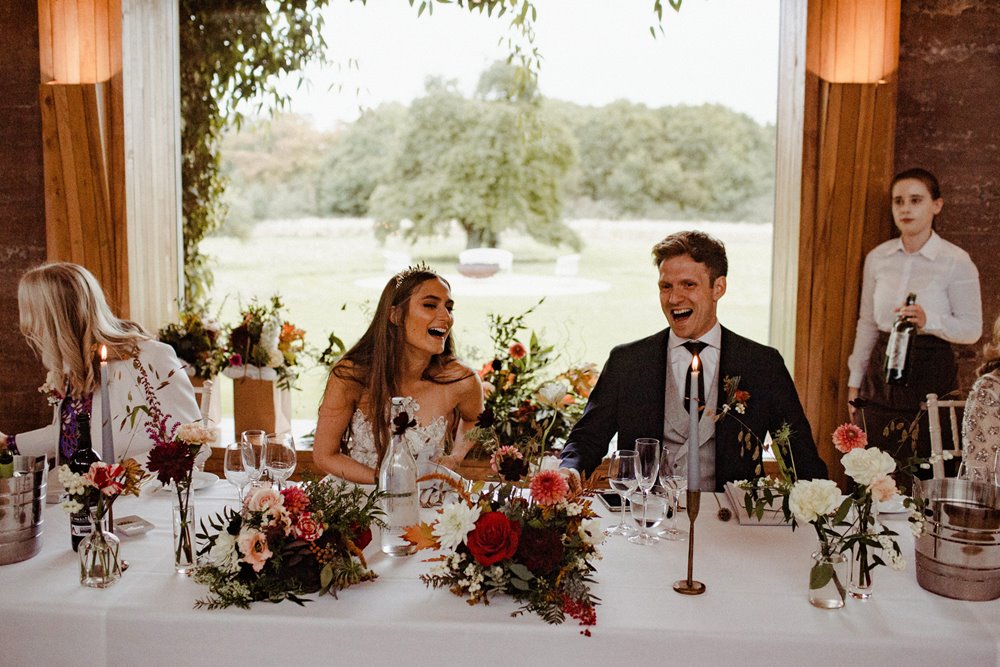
(958, 556)
(22, 499)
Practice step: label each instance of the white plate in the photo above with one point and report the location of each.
(200, 480)
(893, 506)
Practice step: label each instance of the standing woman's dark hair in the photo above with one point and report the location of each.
(374, 361)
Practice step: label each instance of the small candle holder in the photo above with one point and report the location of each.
(689, 586)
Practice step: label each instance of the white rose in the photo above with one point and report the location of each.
(224, 554)
(864, 465)
(812, 498)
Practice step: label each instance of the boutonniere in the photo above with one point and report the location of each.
(736, 398)
(50, 389)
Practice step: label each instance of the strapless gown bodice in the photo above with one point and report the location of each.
(426, 441)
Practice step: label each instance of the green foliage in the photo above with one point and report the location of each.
(489, 165)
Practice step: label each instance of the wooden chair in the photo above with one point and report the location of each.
(934, 408)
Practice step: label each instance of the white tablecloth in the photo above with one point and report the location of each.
(755, 610)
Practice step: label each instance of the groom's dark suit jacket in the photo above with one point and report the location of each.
(629, 400)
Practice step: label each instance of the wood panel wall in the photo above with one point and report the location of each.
(846, 168)
(22, 211)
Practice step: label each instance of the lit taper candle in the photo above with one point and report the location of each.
(107, 439)
(694, 464)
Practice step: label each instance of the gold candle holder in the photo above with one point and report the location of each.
(689, 586)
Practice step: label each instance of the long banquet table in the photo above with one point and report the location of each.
(755, 610)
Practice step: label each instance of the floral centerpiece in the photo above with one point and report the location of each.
(264, 340)
(522, 409)
(98, 488)
(285, 544)
(538, 551)
(197, 340)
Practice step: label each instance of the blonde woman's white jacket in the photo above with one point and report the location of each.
(170, 384)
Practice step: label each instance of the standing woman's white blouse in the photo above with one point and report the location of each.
(945, 281)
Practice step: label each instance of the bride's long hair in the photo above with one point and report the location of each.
(65, 318)
(374, 361)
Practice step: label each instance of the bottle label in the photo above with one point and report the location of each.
(80, 525)
(899, 343)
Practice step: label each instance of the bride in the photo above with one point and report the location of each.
(406, 351)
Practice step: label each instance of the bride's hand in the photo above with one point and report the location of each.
(451, 462)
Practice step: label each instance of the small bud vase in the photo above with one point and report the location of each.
(100, 565)
(183, 520)
(827, 579)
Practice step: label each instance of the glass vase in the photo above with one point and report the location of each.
(100, 564)
(861, 575)
(183, 520)
(827, 578)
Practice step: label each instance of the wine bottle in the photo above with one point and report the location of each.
(897, 352)
(397, 479)
(79, 462)
(6, 463)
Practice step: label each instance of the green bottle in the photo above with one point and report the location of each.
(6, 463)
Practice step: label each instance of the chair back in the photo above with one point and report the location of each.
(934, 408)
(203, 395)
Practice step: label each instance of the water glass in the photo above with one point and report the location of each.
(648, 511)
(235, 469)
(622, 479)
(279, 457)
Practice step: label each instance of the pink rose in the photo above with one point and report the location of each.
(253, 544)
(263, 499)
(307, 527)
(883, 488)
(848, 436)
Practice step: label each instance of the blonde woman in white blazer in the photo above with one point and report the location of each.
(66, 320)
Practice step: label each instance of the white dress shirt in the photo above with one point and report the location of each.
(680, 358)
(945, 281)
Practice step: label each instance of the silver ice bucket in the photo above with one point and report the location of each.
(22, 499)
(958, 555)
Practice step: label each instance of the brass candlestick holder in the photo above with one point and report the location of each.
(689, 586)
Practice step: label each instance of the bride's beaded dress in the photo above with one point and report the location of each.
(426, 441)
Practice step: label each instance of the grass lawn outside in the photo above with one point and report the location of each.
(316, 265)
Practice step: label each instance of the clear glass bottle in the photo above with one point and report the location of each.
(897, 352)
(397, 478)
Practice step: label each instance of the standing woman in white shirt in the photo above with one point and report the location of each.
(948, 309)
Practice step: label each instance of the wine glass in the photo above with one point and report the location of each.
(647, 452)
(648, 510)
(252, 444)
(279, 457)
(977, 471)
(235, 468)
(673, 479)
(622, 479)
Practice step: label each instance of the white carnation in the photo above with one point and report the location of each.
(197, 434)
(456, 522)
(865, 465)
(812, 498)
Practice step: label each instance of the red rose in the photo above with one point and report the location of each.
(494, 539)
(361, 538)
(307, 527)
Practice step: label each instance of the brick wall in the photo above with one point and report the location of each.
(22, 210)
(947, 119)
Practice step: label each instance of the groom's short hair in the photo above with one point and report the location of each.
(703, 248)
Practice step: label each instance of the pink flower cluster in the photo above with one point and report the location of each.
(286, 511)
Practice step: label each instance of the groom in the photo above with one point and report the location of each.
(642, 391)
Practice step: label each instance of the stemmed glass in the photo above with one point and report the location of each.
(235, 469)
(673, 479)
(647, 452)
(622, 479)
(252, 447)
(279, 457)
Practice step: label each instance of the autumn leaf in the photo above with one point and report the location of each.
(421, 535)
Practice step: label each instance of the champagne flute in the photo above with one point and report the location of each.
(236, 471)
(673, 479)
(252, 443)
(279, 457)
(622, 479)
(647, 452)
